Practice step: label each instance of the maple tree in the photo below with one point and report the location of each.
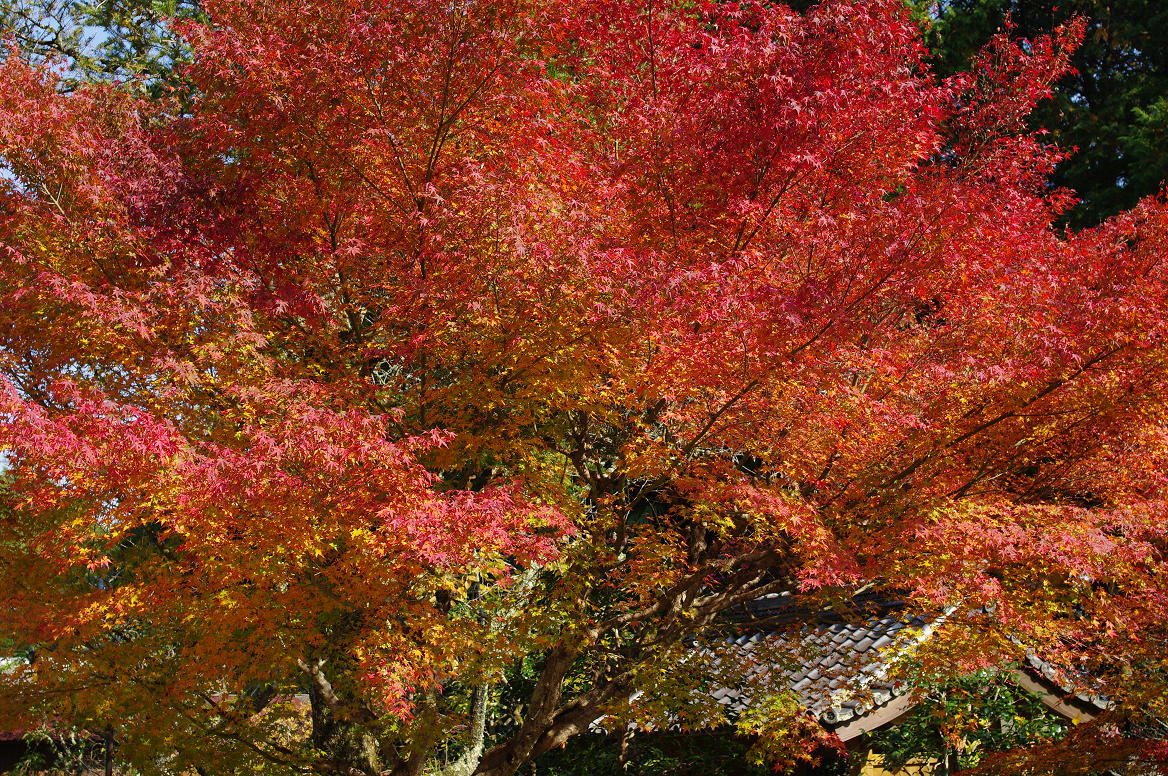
(452, 364)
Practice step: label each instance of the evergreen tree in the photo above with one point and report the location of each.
(1110, 110)
(101, 40)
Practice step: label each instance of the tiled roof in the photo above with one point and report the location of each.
(1077, 687)
(839, 670)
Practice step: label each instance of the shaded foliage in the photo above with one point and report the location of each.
(958, 723)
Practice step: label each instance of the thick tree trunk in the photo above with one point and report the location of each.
(351, 748)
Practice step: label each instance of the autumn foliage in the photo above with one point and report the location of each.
(405, 344)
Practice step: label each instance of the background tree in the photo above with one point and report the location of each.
(1110, 110)
(126, 40)
(443, 357)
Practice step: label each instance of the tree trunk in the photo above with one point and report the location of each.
(469, 760)
(108, 746)
(350, 747)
